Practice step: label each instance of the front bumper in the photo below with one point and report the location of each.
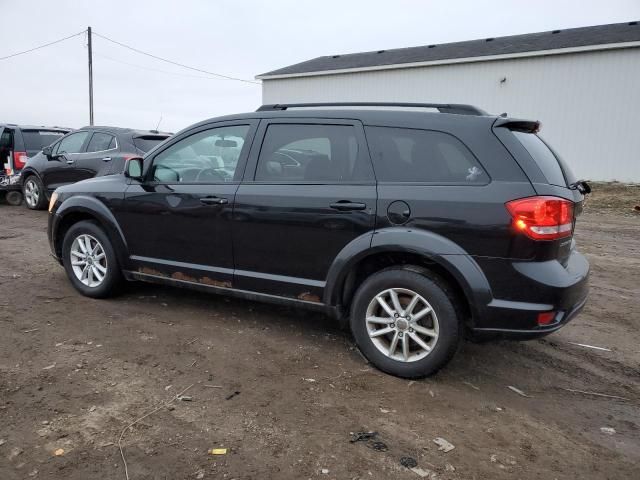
(526, 289)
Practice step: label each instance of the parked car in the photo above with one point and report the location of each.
(84, 153)
(17, 144)
(442, 223)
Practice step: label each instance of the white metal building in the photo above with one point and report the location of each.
(583, 84)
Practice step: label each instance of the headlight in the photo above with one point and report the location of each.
(52, 202)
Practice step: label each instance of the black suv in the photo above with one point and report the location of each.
(84, 153)
(17, 144)
(413, 227)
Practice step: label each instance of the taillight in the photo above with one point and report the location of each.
(19, 160)
(542, 218)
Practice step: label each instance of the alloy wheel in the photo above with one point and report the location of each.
(402, 324)
(88, 260)
(31, 193)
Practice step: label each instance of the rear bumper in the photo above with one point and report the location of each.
(526, 289)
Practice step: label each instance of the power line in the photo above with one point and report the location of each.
(43, 46)
(176, 63)
(106, 57)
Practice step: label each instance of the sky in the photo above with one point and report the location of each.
(238, 38)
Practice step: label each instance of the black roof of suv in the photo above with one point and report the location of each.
(412, 227)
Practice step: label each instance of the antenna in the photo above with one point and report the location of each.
(158, 125)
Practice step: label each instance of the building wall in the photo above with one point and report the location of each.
(588, 103)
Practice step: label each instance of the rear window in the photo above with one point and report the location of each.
(38, 139)
(553, 168)
(411, 155)
(147, 142)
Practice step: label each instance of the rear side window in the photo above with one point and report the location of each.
(146, 143)
(311, 153)
(411, 155)
(100, 142)
(552, 167)
(38, 139)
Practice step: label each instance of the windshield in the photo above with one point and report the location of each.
(38, 139)
(148, 142)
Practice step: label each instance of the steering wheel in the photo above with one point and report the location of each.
(210, 173)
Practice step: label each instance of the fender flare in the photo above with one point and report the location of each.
(434, 248)
(92, 206)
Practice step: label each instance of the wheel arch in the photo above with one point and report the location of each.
(79, 208)
(412, 249)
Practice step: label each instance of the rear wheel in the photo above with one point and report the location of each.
(90, 260)
(405, 323)
(33, 192)
(14, 198)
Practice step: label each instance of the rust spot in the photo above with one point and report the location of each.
(215, 283)
(183, 277)
(309, 297)
(151, 271)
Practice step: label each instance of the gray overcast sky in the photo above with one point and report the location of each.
(240, 38)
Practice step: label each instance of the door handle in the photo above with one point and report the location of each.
(214, 201)
(70, 162)
(106, 159)
(345, 205)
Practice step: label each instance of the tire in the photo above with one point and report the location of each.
(34, 194)
(86, 277)
(14, 198)
(443, 322)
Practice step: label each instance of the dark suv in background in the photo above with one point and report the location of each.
(412, 226)
(84, 153)
(17, 144)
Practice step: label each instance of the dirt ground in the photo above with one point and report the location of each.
(74, 372)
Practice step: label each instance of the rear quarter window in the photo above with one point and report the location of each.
(424, 156)
(553, 168)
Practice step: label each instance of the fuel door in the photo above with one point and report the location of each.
(398, 212)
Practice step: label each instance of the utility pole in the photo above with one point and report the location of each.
(90, 76)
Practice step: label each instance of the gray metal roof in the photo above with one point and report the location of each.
(530, 42)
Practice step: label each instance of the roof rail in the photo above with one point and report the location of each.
(457, 108)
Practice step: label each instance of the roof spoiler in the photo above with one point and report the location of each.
(457, 108)
(528, 126)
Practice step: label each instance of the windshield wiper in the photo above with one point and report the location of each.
(582, 186)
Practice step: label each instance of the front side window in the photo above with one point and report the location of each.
(411, 155)
(311, 153)
(210, 156)
(73, 143)
(100, 142)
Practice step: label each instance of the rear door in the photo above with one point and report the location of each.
(308, 191)
(101, 151)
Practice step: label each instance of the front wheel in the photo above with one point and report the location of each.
(90, 260)
(33, 191)
(405, 323)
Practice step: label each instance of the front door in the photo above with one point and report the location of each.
(308, 191)
(177, 223)
(61, 166)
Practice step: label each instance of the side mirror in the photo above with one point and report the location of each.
(47, 151)
(133, 168)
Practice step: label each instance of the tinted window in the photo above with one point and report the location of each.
(100, 142)
(544, 157)
(72, 143)
(38, 139)
(407, 155)
(206, 157)
(146, 143)
(311, 153)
